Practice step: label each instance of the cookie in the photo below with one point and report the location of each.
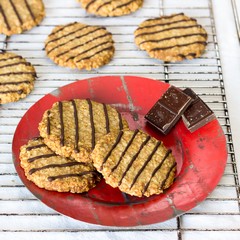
(53, 172)
(81, 46)
(72, 128)
(111, 8)
(17, 16)
(138, 164)
(17, 77)
(171, 38)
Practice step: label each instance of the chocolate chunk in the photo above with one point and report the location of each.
(198, 113)
(168, 109)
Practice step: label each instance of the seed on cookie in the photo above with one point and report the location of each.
(17, 77)
(72, 128)
(17, 16)
(111, 8)
(52, 172)
(134, 162)
(81, 46)
(171, 38)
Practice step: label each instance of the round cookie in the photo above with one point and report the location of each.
(17, 16)
(171, 38)
(81, 46)
(52, 172)
(17, 77)
(72, 128)
(111, 8)
(138, 164)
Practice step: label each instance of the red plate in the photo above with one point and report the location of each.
(201, 156)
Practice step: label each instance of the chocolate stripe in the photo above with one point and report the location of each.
(15, 64)
(168, 29)
(89, 4)
(168, 23)
(69, 164)
(60, 109)
(12, 91)
(179, 45)
(118, 139)
(88, 50)
(75, 113)
(72, 39)
(106, 117)
(16, 11)
(30, 160)
(92, 122)
(66, 35)
(50, 179)
(120, 121)
(17, 73)
(169, 38)
(156, 169)
(48, 123)
(104, 49)
(14, 83)
(123, 5)
(125, 150)
(29, 10)
(165, 17)
(6, 59)
(80, 45)
(60, 29)
(4, 18)
(145, 164)
(133, 159)
(104, 4)
(35, 147)
(168, 174)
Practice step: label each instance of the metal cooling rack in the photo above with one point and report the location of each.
(22, 216)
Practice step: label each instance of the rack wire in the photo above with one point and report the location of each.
(22, 215)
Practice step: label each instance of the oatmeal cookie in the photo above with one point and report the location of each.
(52, 172)
(72, 128)
(138, 164)
(17, 16)
(81, 46)
(111, 8)
(17, 77)
(171, 38)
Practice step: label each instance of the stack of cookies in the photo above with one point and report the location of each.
(80, 140)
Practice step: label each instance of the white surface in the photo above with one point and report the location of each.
(22, 216)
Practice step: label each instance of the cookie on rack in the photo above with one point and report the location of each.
(17, 16)
(81, 46)
(111, 8)
(72, 128)
(17, 77)
(171, 38)
(52, 172)
(138, 164)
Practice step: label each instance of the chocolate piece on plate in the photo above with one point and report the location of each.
(198, 113)
(168, 109)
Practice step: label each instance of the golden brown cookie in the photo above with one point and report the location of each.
(17, 16)
(138, 164)
(17, 77)
(111, 8)
(171, 38)
(81, 46)
(52, 172)
(72, 128)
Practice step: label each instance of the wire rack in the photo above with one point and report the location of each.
(22, 216)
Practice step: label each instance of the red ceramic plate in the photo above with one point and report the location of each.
(201, 156)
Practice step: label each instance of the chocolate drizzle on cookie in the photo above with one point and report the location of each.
(30, 160)
(35, 147)
(91, 122)
(106, 117)
(29, 10)
(60, 109)
(48, 123)
(62, 165)
(52, 178)
(75, 114)
(5, 18)
(168, 174)
(16, 12)
(11, 58)
(120, 121)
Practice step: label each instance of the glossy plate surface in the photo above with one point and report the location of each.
(201, 156)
